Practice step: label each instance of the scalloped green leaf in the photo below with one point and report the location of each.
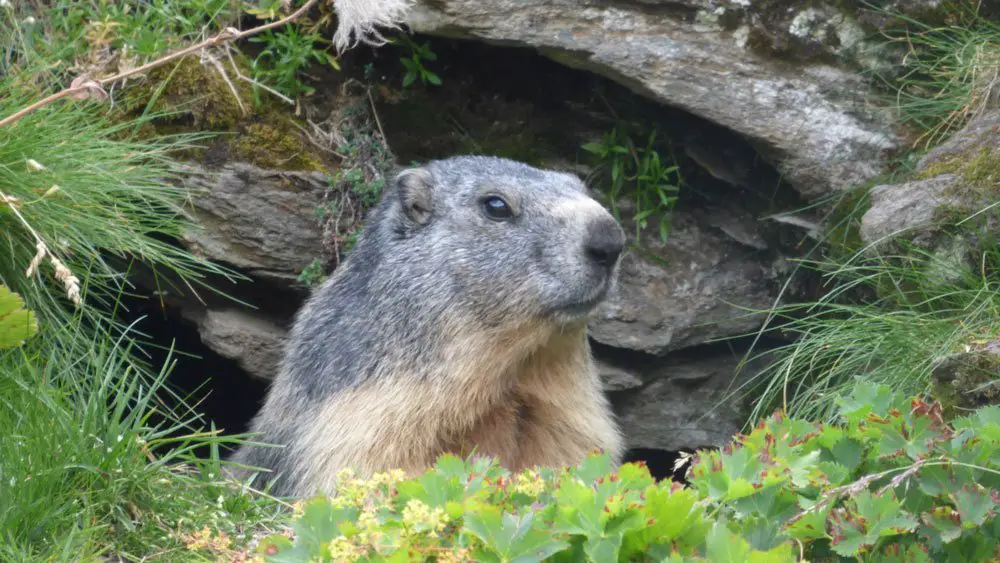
(17, 324)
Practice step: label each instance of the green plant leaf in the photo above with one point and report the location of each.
(17, 324)
(723, 546)
(511, 537)
(865, 398)
(945, 522)
(866, 519)
(976, 504)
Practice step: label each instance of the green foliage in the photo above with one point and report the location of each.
(287, 53)
(17, 324)
(354, 188)
(313, 274)
(891, 481)
(88, 451)
(89, 443)
(87, 33)
(892, 313)
(100, 201)
(105, 35)
(889, 318)
(950, 74)
(414, 63)
(641, 173)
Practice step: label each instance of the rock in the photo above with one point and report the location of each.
(689, 291)
(955, 180)
(686, 405)
(967, 379)
(802, 116)
(905, 208)
(254, 342)
(981, 132)
(261, 221)
(616, 377)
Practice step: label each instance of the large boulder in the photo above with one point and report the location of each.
(950, 204)
(262, 221)
(705, 57)
(697, 286)
(687, 404)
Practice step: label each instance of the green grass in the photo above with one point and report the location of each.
(99, 201)
(77, 459)
(889, 316)
(950, 73)
(92, 459)
(77, 474)
(71, 32)
(885, 318)
(69, 37)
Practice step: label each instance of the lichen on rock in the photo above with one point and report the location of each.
(950, 206)
(967, 379)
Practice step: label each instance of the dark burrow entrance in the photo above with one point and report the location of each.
(493, 100)
(219, 390)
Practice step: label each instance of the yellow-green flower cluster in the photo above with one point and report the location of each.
(419, 517)
(530, 483)
(342, 549)
(354, 491)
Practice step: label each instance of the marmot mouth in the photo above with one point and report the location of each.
(582, 308)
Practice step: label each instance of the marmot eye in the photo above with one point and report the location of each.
(496, 208)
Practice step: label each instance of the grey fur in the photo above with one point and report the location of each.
(428, 249)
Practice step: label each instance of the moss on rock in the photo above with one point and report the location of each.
(193, 93)
(968, 380)
(191, 97)
(271, 144)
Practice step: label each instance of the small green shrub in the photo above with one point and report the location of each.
(286, 53)
(414, 63)
(890, 482)
(640, 173)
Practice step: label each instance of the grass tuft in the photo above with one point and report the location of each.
(888, 319)
(950, 73)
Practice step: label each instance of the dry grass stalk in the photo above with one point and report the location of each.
(62, 273)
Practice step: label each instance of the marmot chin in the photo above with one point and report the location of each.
(457, 324)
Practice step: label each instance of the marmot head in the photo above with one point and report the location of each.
(514, 241)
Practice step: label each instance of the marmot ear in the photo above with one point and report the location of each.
(416, 187)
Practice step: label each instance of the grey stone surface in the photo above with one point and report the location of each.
(687, 291)
(262, 221)
(912, 209)
(686, 405)
(905, 209)
(805, 117)
(617, 377)
(255, 343)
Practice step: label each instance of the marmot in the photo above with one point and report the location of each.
(457, 323)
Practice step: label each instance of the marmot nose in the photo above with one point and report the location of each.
(605, 242)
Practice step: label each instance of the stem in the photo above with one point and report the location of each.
(226, 35)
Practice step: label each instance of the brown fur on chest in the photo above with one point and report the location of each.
(543, 407)
(544, 415)
(499, 433)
